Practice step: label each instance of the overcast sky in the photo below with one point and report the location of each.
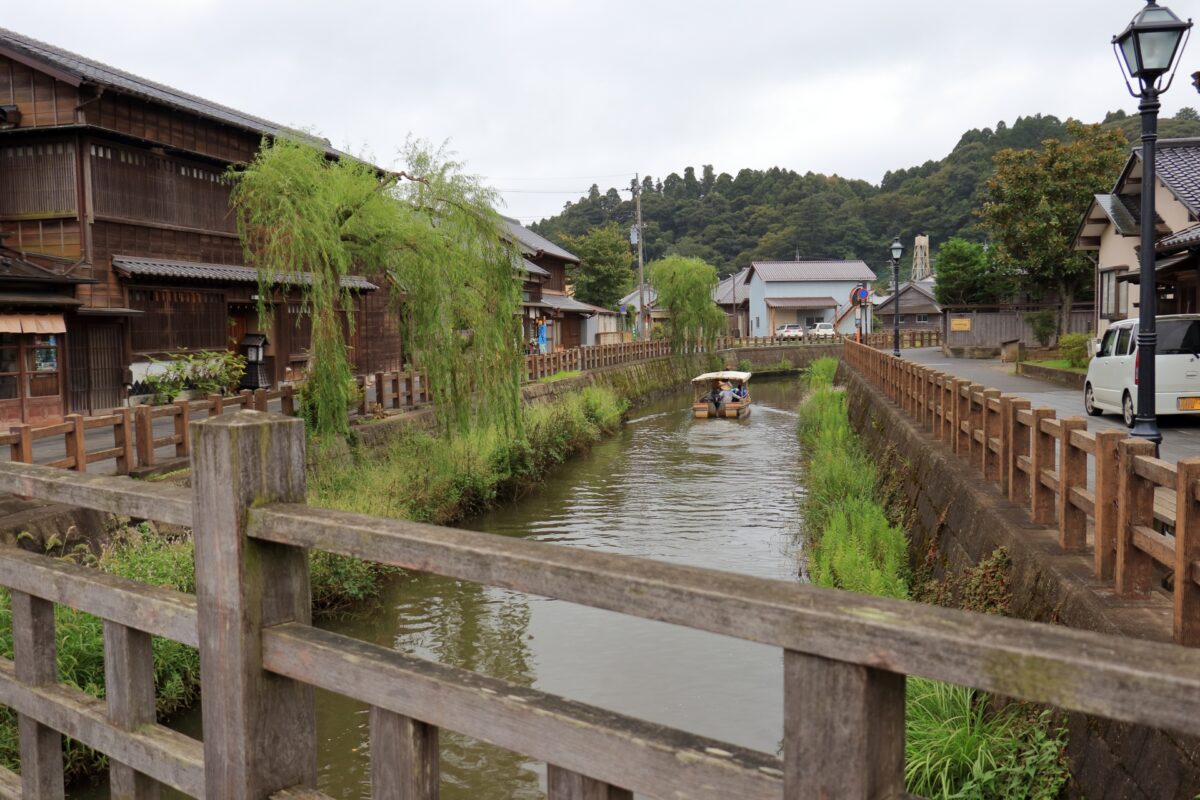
(546, 97)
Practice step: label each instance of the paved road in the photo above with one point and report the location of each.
(1181, 434)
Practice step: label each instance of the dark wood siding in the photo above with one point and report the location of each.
(379, 345)
(41, 99)
(38, 180)
(97, 365)
(178, 319)
(167, 126)
(52, 237)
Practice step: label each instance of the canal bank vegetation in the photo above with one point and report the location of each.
(960, 743)
(430, 478)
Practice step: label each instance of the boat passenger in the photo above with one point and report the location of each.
(726, 395)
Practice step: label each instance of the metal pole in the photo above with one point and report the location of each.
(896, 307)
(1145, 425)
(644, 326)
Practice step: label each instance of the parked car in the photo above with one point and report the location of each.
(822, 329)
(792, 330)
(1112, 374)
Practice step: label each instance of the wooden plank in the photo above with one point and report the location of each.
(108, 420)
(1187, 551)
(116, 495)
(51, 431)
(166, 755)
(1049, 426)
(35, 663)
(1134, 569)
(562, 784)
(10, 785)
(1049, 479)
(1084, 440)
(1104, 515)
(1072, 475)
(1024, 464)
(152, 609)
(300, 793)
(1158, 546)
(404, 754)
(843, 729)
(609, 747)
(1133, 681)
(1083, 499)
(129, 693)
(1155, 470)
(260, 731)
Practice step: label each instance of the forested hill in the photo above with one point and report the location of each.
(778, 213)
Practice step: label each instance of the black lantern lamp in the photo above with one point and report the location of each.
(1147, 50)
(897, 250)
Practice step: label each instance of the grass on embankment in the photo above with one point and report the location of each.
(1060, 363)
(958, 744)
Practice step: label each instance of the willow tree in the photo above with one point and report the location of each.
(428, 233)
(684, 287)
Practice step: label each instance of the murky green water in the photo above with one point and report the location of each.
(712, 493)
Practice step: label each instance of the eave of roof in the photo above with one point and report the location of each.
(217, 273)
(850, 270)
(533, 244)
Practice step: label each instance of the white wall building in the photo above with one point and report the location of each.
(806, 292)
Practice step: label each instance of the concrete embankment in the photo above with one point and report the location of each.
(956, 520)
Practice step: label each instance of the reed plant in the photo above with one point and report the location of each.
(959, 746)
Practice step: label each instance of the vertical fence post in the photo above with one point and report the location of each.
(394, 379)
(182, 417)
(562, 784)
(145, 436)
(989, 460)
(35, 655)
(1018, 440)
(259, 729)
(1072, 473)
(1004, 456)
(216, 404)
(404, 757)
(1134, 570)
(1187, 552)
(843, 729)
(1104, 533)
(380, 390)
(129, 693)
(361, 381)
(76, 440)
(1041, 497)
(123, 440)
(261, 401)
(287, 401)
(22, 449)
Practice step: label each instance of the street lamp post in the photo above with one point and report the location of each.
(897, 250)
(1148, 47)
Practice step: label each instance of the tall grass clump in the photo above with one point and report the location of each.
(958, 745)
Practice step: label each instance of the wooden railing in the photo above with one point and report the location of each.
(845, 655)
(1144, 512)
(930, 337)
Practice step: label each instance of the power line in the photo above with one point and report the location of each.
(543, 191)
(553, 177)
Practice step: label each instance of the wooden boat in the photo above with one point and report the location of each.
(707, 389)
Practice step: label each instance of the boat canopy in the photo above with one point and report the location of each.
(724, 375)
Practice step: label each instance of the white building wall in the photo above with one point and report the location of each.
(760, 316)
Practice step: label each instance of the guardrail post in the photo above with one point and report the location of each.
(76, 442)
(145, 436)
(22, 449)
(287, 401)
(404, 757)
(123, 439)
(1134, 570)
(35, 657)
(261, 402)
(1187, 552)
(394, 379)
(1104, 530)
(380, 390)
(1018, 438)
(843, 729)
(259, 729)
(562, 784)
(989, 461)
(216, 404)
(1072, 473)
(182, 437)
(129, 693)
(1041, 498)
(1004, 457)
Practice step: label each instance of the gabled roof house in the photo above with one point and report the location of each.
(805, 292)
(1111, 232)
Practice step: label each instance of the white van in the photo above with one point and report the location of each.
(1112, 374)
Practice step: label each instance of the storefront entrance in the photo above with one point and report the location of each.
(31, 346)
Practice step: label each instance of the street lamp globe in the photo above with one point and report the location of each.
(1149, 45)
(897, 249)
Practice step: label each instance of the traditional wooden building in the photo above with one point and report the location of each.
(919, 307)
(115, 219)
(545, 299)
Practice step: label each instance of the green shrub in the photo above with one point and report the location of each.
(744, 365)
(1044, 325)
(1074, 348)
(207, 372)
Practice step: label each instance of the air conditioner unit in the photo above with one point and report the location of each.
(10, 117)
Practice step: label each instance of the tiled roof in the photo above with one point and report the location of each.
(920, 287)
(1179, 240)
(1177, 164)
(531, 243)
(1119, 212)
(564, 303)
(216, 273)
(632, 298)
(792, 271)
(533, 269)
(723, 295)
(801, 302)
(87, 70)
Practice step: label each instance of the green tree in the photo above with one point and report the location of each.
(1187, 113)
(429, 232)
(685, 286)
(965, 275)
(1035, 200)
(605, 271)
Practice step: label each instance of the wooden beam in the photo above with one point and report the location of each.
(116, 495)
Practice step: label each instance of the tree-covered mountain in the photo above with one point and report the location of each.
(778, 213)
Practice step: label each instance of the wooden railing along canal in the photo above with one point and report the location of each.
(845, 655)
(1144, 513)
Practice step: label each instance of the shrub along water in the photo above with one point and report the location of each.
(957, 744)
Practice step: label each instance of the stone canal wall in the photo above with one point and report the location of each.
(955, 520)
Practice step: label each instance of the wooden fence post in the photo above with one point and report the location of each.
(22, 449)
(1072, 472)
(145, 436)
(843, 729)
(287, 401)
(259, 729)
(129, 693)
(562, 784)
(1018, 439)
(1187, 552)
(76, 441)
(380, 390)
(35, 656)
(1004, 457)
(394, 379)
(123, 440)
(1041, 497)
(1104, 532)
(989, 459)
(361, 381)
(404, 757)
(216, 404)
(261, 401)
(1134, 570)
(182, 417)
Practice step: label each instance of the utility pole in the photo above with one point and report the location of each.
(644, 322)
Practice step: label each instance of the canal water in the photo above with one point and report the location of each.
(711, 493)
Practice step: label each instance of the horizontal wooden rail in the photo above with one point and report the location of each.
(623, 751)
(1080, 670)
(116, 495)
